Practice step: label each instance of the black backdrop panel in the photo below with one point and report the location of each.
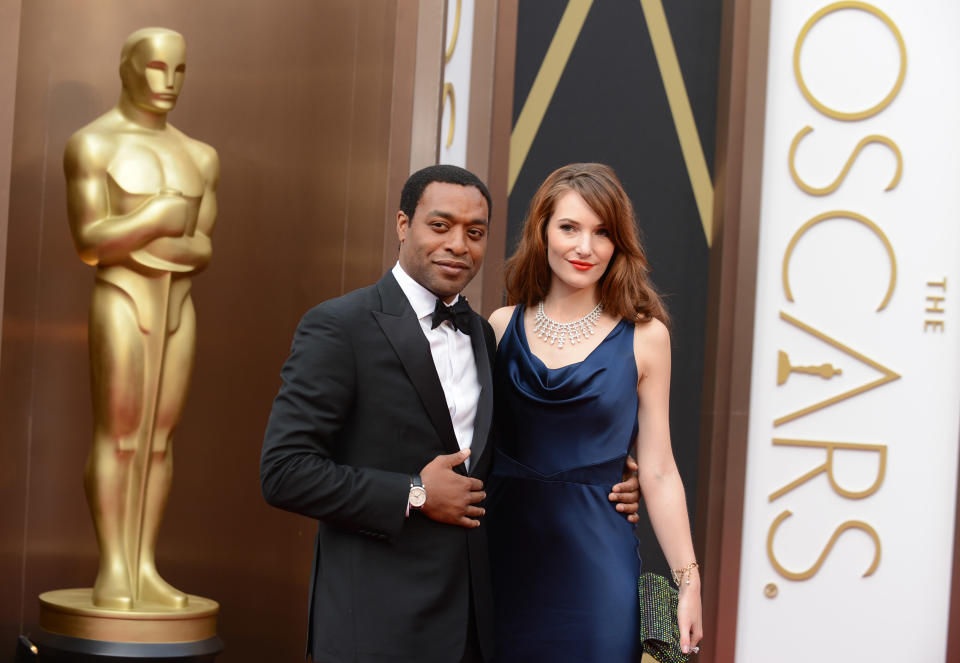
(610, 106)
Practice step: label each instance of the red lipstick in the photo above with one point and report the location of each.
(579, 264)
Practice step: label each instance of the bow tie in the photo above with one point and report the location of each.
(458, 315)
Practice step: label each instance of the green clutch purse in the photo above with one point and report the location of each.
(658, 619)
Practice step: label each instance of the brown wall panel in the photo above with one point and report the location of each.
(9, 45)
(296, 99)
(500, 126)
(401, 123)
(428, 82)
(367, 165)
(12, 482)
(729, 338)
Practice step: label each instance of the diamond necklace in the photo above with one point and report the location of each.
(552, 331)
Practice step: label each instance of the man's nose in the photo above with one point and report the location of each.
(170, 74)
(457, 241)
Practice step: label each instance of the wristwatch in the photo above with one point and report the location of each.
(418, 494)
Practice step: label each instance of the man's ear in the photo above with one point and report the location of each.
(403, 224)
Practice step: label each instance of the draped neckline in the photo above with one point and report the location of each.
(521, 332)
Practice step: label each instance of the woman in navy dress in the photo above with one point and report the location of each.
(582, 378)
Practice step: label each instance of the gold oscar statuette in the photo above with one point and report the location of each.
(784, 369)
(141, 205)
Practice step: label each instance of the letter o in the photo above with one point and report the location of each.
(816, 103)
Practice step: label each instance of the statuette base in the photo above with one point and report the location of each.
(71, 613)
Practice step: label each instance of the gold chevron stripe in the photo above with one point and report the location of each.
(682, 112)
(544, 85)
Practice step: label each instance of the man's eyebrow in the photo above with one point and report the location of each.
(451, 217)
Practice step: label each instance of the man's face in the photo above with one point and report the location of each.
(155, 73)
(442, 246)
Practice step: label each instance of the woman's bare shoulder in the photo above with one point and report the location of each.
(499, 320)
(652, 332)
(651, 344)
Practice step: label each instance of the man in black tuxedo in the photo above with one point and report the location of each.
(379, 431)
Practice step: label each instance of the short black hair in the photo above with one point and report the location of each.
(416, 183)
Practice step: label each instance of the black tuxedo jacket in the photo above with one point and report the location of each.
(359, 411)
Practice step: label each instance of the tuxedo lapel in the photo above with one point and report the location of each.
(481, 422)
(403, 331)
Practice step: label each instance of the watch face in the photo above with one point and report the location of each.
(417, 496)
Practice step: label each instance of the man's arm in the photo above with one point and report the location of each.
(297, 472)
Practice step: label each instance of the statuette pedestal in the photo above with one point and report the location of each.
(76, 631)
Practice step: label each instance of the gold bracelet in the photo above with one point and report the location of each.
(683, 574)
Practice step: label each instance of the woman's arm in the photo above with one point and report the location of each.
(660, 481)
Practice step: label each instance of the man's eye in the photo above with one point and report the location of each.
(477, 234)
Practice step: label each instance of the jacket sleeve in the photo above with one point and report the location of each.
(297, 472)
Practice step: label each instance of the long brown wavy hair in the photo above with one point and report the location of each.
(625, 287)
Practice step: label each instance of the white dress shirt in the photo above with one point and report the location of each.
(452, 356)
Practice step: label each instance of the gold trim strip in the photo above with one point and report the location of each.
(544, 85)
(682, 112)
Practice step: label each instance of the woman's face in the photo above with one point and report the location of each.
(579, 247)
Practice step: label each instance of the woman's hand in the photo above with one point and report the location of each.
(689, 613)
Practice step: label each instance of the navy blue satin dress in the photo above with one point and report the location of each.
(564, 561)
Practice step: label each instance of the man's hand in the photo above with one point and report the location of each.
(627, 493)
(450, 496)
